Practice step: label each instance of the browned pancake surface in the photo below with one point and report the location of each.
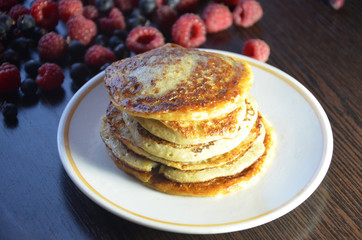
(175, 83)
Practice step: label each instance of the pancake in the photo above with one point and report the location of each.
(195, 132)
(240, 163)
(120, 131)
(173, 83)
(217, 186)
(186, 153)
(121, 152)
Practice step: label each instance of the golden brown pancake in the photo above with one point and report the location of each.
(120, 131)
(182, 122)
(216, 186)
(195, 132)
(186, 153)
(173, 83)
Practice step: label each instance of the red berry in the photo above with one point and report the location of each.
(336, 4)
(17, 11)
(126, 5)
(81, 29)
(97, 56)
(142, 39)
(114, 21)
(50, 76)
(90, 12)
(228, 2)
(257, 49)
(161, 3)
(45, 13)
(247, 12)
(9, 78)
(187, 5)
(217, 17)
(165, 17)
(5, 5)
(69, 8)
(52, 46)
(189, 31)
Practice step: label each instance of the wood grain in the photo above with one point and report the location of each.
(309, 40)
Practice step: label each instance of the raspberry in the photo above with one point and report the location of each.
(68, 8)
(189, 31)
(81, 29)
(165, 17)
(17, 11)
(9, 78)
(50, 76)
(247, 12)
(142, 39)
(90, 12)
(257, 49)
(115, 20)
(187, 5)
(126, 5)
(52, 46)
(5, 5)
(97, 56)
(45, 13)
(228, 2)
(336, 4)
(160, 3)
(217, 17)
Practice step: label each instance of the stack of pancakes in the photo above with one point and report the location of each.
(183, 122)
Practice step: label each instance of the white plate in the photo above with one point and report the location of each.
(305, 146)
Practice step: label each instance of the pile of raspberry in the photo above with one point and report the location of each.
(45, 37)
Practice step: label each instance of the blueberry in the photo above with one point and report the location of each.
(7, 21)
(134, 22)
(136, 13)
(122, 34)
(10, 111)
(11, 56)
(21, 45)
(101, 40)
(79, 72)
(76, 50)
(173, 3)
(121, 51)
(37, 33)
(31, 68)
(114, 41)
(26, 22)
(3, 33)
(29, 87)
(147, 6)
(104, 5)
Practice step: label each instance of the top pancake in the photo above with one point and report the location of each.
(174, 83)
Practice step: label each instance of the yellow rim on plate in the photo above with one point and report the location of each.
(322, 169)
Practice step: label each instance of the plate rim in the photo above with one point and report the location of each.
(313, 183)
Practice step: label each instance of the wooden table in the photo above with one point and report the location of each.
(309, 40)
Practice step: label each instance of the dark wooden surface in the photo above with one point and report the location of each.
(309, 40)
